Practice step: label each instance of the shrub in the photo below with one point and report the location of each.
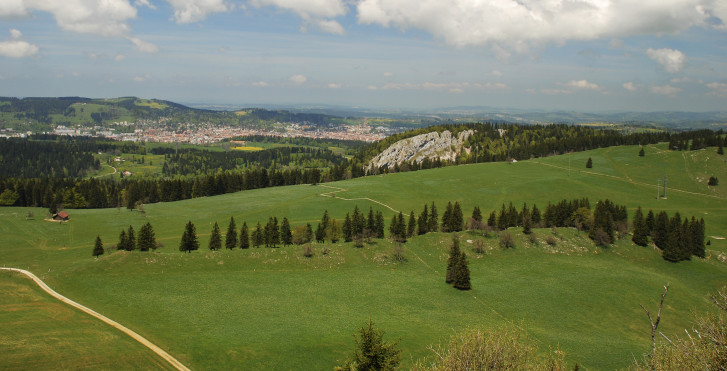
(551, 241)
(533, 238)
(601, 238)
(506, 240)
(307, 251)
(479, 247)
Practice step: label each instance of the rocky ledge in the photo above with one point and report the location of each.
(432, 145)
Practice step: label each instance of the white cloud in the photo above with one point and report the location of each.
(630, 86)
(145, 3)
(496, 86)
(139, 79)
(517, 25)
(16, 48)
(298, 79)
(555, 91)
(388, 74)
(119, 57)
(672, 60)
(665, 90)
(452, 87)
(143, 46)
(496, 73)
(719, 89)
(260, 84)
(316, 12)
(189, 11)
(582, 84)
(334, 86)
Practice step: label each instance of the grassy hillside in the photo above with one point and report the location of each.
(275, 309)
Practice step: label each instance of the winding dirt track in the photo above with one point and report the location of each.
(166, 356)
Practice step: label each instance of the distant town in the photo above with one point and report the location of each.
(206, 133)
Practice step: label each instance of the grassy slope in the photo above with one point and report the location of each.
(276, 309)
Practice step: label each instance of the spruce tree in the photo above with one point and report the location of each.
(476, 214)
(244, 236)
(502, 219)
(535, 215)
(589, 163)
(462, 275)
(457, 218)
(660, 232)
(698, 237)
(130, 239)
(189, 239)
(258, 237)
(348, 229)
(673, 250)
(412, 225)
(720, 151)
(321, 232)
(334, 230)
(447, 218)
(308, 233)
(215, 238)
(123, 241)
(231, 235)
(492, 220)
(641, 236)
(274, 233)
(422, 221)
(527, 223)
(146, 240)
(286, 236)
(371, 222)
(641, 152)
(433, 225)
(649, 222)
(379, 224)
(98, 247)
(372, 353)
(401, 227)
(452, 261)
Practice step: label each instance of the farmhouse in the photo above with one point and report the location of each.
(61, 216)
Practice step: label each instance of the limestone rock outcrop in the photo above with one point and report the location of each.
(434, 145)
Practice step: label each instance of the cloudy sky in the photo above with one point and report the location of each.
(585, 55)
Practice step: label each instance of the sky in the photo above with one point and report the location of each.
(580, 55)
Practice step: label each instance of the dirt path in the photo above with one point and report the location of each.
(331, 194)
(115, 171)
(166, 356)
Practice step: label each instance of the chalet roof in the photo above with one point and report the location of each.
(63, 214)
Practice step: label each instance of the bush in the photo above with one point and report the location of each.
(501, 349)
(307, 251)
(601, 238)
(713, 181)
(533, 238)
(506, 240)
(551, 241)
(398, 253)
(479, 247)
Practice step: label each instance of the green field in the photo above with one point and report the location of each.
(275, 309)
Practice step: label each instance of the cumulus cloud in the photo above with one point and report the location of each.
(671, 60)
(143, 46)
(189, 11)
(630, 86)
(298, 79)
(318, 13)
(17, 48)
(667, 90)
(260, 84)
(145, 3)
(582, 84)
(516, 25)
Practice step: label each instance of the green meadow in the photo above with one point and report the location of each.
(276, 309)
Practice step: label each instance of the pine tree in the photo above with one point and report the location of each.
(433, 225)
(244, 237)
(231, 236)
(321, 233)
(641, 235)
(379, 224)
(476, 214)
(286, 236)
(98, 247)
(527, 223)
(447, 218)
(189, 239)
(673, 250)
(698, 237)
(422, 221)
(146, 240)
(401, 228)
(412, 225)
(457, 218)
(372, 353)
(502, 221)
(535, 215)
(258, 236)
(649, 222)
(720, 151)
(348, 229)
(274, 233)
(123, 241)
(492, 220)
(462, 275)
(589, 163)
(454, 253)
(371, 222)
(215, 238)
(660, 232)
(308, 233)
(130, 239)
(357, 222)
(641, 152)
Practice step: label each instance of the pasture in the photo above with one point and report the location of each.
(276, 309)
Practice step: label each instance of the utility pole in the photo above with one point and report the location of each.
(665, 179)
(658, 185)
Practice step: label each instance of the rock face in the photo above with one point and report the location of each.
(432, 145)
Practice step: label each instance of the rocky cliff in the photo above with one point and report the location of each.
(432, 145)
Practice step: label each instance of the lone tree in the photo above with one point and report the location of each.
(713, 181)
(189, 239)
(462, 275)
(589, 163)
(231, 236)
(454, 253)
(98, 247)
(215, 238)
(641, 152)
(372, 353)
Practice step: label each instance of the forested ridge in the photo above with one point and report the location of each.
(51, 173)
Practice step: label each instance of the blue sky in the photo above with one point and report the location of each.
(584, 55)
